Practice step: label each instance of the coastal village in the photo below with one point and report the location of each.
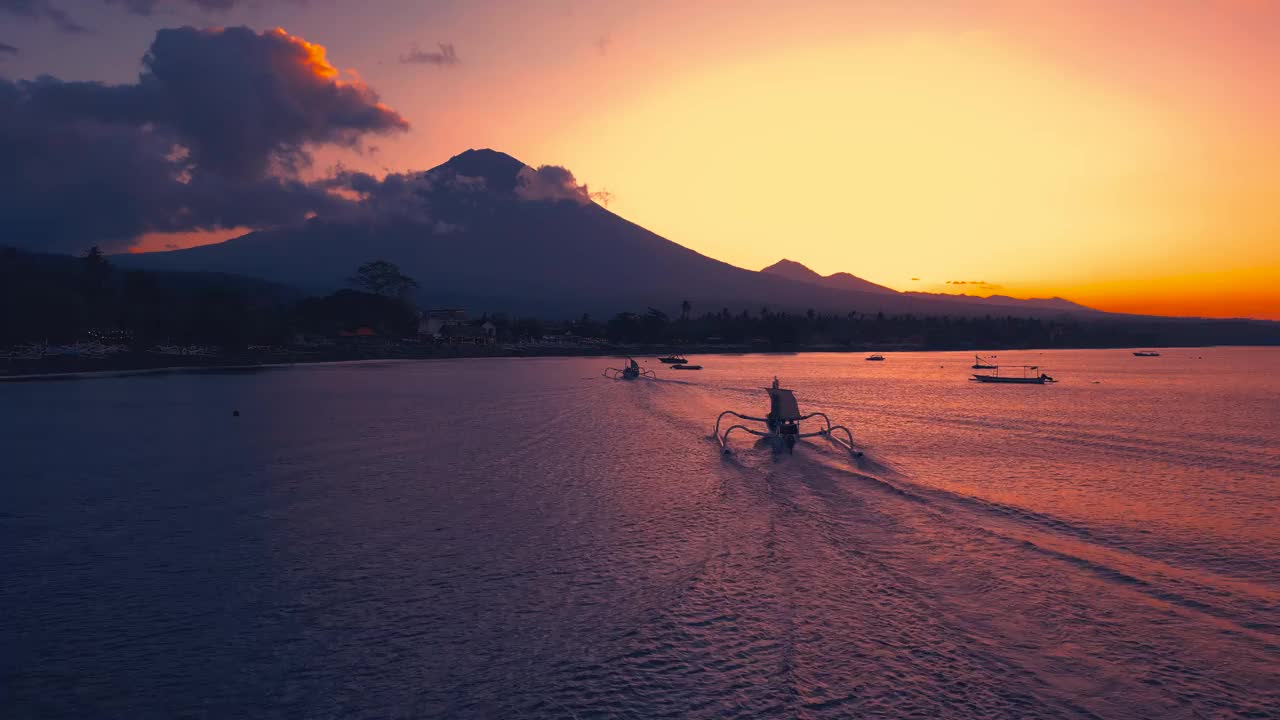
(443, 332)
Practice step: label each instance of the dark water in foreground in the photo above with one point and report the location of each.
(522, 538)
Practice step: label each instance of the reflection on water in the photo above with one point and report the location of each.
(522, 538)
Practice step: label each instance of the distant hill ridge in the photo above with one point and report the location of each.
(842, 280)
(478, 239)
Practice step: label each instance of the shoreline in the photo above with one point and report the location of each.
(139, 364)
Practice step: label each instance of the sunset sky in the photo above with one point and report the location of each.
(1124, 155)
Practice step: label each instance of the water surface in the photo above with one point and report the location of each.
(523, 538)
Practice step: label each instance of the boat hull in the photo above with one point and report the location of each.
(1010, 380)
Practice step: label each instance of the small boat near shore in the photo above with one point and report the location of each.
(673, 359)
(1030, 375)
(875, 358)
(1145, 353)
(682, 366)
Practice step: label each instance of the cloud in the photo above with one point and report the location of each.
(147, 7)
(37, 10)
(51, 10)
(445, 57)
(7, 50)
(555, 183)
(210, 136)
(979, 284)
(443, 198)
(210, 85)
(396, 197)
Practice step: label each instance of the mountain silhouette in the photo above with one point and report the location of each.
(1050, 303)
(844, 281)
(839, 281)
(474, 237)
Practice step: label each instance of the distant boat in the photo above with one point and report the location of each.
(1146, 353)
(981, 363)
(673, 360)
(629, 371)
(686, 367)
(1031, 375)
(875, 358)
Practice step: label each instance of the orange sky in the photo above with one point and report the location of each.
(1124, 155)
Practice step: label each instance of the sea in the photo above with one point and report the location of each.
(524, 538)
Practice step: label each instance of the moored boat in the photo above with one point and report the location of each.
(875, 358)
(1030, 375)
(686, 367)
(1013, 380)
(1146, 353)
(673, 359)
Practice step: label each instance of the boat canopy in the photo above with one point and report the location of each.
(782, 404)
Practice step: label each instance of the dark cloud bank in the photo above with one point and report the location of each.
(214, 135)
(210, 136)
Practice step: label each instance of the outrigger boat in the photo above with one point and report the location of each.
(1031, 375)
(632, 371)
(782, 424)
(981, 363)
(673, 359)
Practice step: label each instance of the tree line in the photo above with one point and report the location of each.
(63, 299)
(763, 328)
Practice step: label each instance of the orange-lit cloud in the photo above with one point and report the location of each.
(310, 55)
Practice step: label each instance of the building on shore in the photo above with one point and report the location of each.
(433, 322)
(451, 325)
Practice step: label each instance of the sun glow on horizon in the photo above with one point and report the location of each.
(949, 156)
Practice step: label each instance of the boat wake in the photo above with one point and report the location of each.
(1015, 611)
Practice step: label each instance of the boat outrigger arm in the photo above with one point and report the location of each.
(782, 424)
(631, 371)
